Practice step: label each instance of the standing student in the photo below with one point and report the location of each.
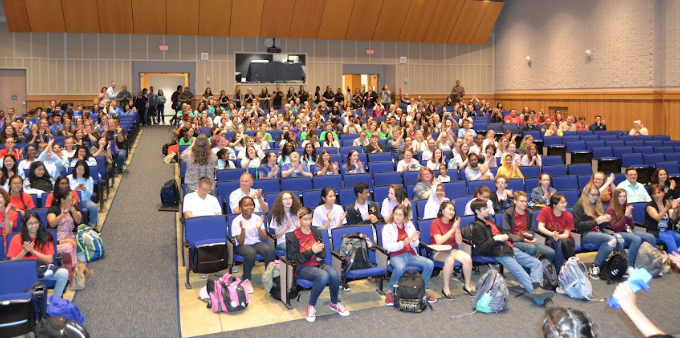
(250, 234)
(445, 230)
(305, 247)
(401, 239)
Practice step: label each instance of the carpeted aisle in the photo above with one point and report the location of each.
(135, 289)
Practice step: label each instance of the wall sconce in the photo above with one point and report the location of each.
(528, 58)
(588, 54)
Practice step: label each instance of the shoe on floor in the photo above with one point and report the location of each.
(345, 287)
(248, 285)
(629, 272)
(202, 276)
(389, 299)
(594, 272)
(311, 314)
(339, 309)
(448, 296)
(541, 293)
(470, 293)
(234, 269)
(431, 299)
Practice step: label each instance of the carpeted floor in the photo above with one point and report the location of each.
(135, 289)
(522, 319)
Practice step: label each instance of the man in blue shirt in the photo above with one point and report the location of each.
(151, 111)
(635, 191)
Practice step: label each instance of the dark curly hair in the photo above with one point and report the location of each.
(277, 211)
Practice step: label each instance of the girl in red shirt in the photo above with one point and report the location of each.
(445, 230)
(305, 248)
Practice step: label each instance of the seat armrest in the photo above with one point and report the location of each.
(382, 257)
(381, 250)
(466, 246)
(577, 237)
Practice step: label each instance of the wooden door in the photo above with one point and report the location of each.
(13, 90)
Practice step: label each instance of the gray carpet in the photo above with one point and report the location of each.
(135, 288)
(522, 319)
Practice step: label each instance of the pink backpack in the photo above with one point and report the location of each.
(227, 294)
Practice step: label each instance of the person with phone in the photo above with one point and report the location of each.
(445, 230)
(518, 224)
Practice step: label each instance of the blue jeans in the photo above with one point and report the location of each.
(532, 248)
(160, 111)
(601, 240)
(400, 262)
(120, 157)
(61, 276)
(93, 212)
(281, 246)
(633, 241)
(671, 239)
(517, 264)
(321, 276)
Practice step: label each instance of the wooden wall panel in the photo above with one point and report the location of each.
(488, 22)
(45, 15)
(15, 13)
(149, 16)
(80, 16)
(418, 20)
(363, 20)
(391, 20)
(246, 17)
(182, 17)
(118, 18)
(216, 25)
(468, 21)
(306, 19)
(335, 20)
(443, 20)
(276, 18)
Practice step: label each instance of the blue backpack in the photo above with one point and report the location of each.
(90, 244)
(62, 307)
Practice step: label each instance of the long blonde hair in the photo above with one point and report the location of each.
(591, 209)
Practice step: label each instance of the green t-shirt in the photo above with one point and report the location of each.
(124, 98)
(186, 96)
(182, 142)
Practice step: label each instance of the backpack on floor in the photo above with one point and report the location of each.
(56, 306)
(550, 279)
(272, 281)
(39, 295)
(354, 249)
(650, 258)
(170, 193)
(90, 244)
(227, 294)
(615, 267)
(573, 279)
(409, 292)
(60, 327)
(492, 293)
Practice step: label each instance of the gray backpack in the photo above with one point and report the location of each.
(492, 293)
(650, 258)
(573, 279)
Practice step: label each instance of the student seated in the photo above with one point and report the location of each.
(401, 239)
(502, 197)
(328, 215)
(590, 219)
(282, 217)
(621, 221)
(200, 202)
(35, 242)
(556, 223)
(489, 241)
(437, 197)
(445, 230)
(482, 193)
(658, 216)
(395, 196)
(518, 224)
(363, 211)
(305, 247)
(250, 235)
(542, 194)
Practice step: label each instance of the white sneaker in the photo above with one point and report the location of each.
(311, 314)
(234, 269)
(594, 272)
(248, 285)
(629, 272)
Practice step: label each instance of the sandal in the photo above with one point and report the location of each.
(449, 296)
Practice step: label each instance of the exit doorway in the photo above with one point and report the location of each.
(167, 82)
(13, 90)
(352, 82)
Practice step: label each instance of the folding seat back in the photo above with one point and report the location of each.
(352, 179)
(555, 170)
(580, 169)
(386, 178)
(562, 183)
(453, 189)
(332, 181)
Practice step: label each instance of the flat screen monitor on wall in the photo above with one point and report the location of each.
(270, 68)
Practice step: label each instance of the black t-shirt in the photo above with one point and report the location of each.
(110, 136)
(304, 96)
(339, 97)
(278, 97)
(56, 210)
(328, 96)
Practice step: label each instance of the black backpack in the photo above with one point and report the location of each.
(60, 327)
(615, 267)
(355, 251)
(170, 193)
(550, 275)
(409, 292)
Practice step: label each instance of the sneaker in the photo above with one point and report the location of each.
(234, 269)
(629, 272)
(248, 285)
(339, 309)
(202, 276)
(541, 293)
(431, 299)
(345, 287)
(594, 272)
(389, 299)
(311, 314)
